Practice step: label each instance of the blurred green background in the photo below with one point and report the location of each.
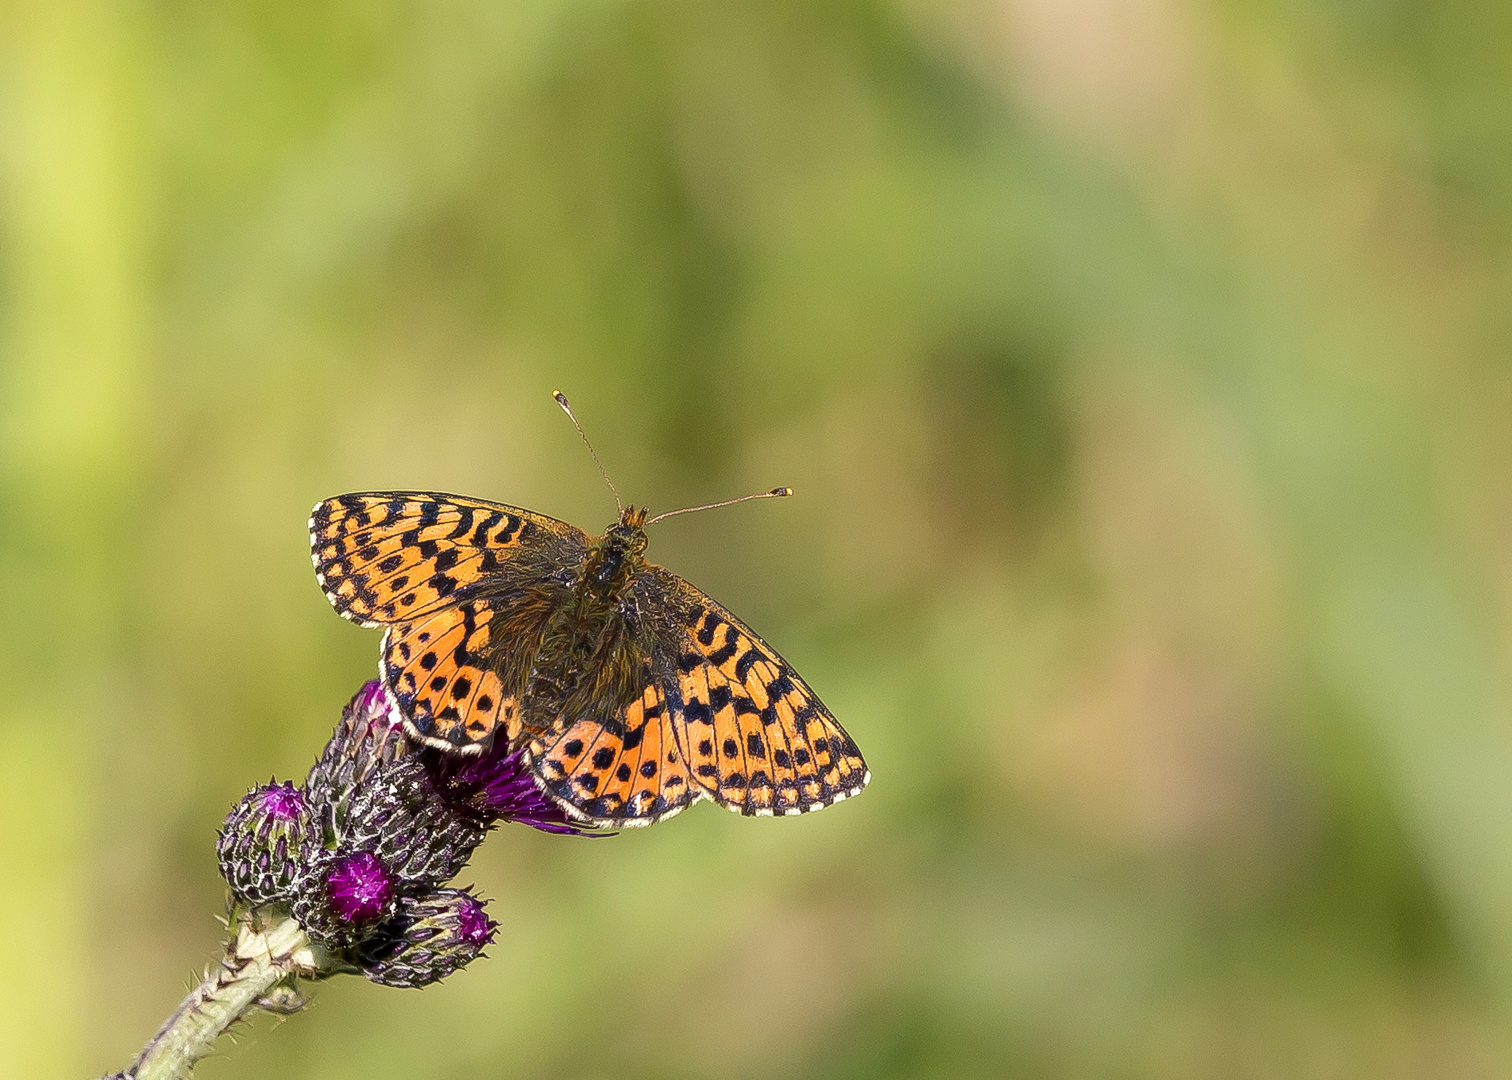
(1141, 368)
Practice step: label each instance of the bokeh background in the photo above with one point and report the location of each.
(1141, 368)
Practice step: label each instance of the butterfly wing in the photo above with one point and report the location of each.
(387, 557)
(623, 770)
(719, 715)
(435, 671)
(463, 587)
(755, 737)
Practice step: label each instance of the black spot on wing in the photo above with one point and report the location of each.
(727, 650)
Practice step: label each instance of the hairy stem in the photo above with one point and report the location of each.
(260, 958)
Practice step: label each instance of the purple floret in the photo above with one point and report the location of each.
(359, 888)
(499, 785)
(374, 701)
(474, 927)
(281, 802)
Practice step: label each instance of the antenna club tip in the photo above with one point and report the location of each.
(561, 398)
(782, 492)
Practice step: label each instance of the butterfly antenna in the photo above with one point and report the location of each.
(775, 493)
(561, 399)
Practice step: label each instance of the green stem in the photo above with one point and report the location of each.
(260, 957)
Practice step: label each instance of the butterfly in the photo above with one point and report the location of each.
(634, 694)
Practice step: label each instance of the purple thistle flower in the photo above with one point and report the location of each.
(390, 822)
(358, 888)
(343, 897)
(498, 786)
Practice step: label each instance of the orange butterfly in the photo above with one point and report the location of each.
(635, 694)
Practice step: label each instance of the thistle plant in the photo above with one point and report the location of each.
(349, 874)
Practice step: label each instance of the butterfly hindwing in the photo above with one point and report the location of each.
(393, 557)
(624, 770)
(755, 737)
(435, 669)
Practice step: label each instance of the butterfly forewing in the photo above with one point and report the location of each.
(453, 579)
(755, 737)
(386, 557)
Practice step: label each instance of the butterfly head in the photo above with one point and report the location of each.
(617, 554)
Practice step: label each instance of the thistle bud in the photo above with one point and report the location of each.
(427, 939)
(368, 737)
(344, 897)
(400, 816)
(260, 844)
